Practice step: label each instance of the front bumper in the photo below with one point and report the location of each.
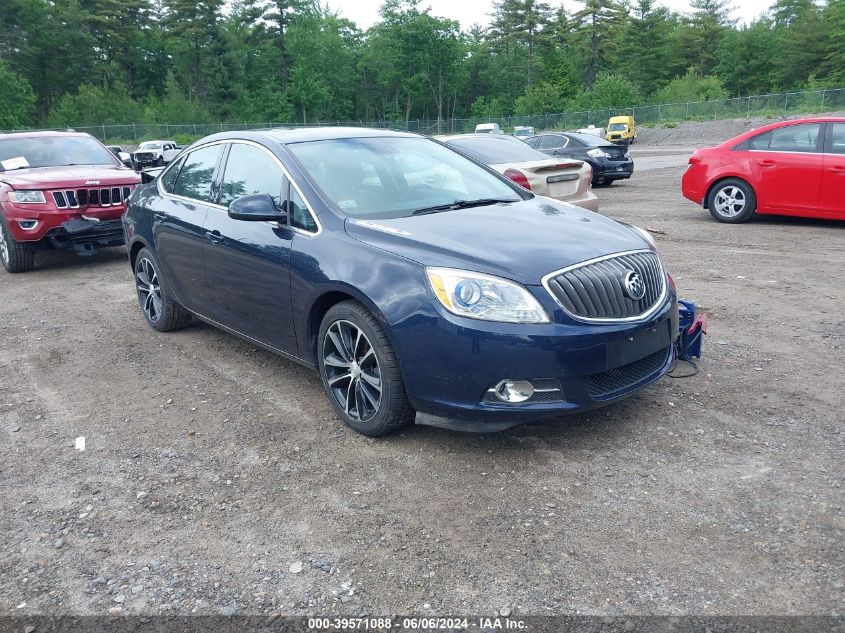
(449, 363)
(145, 160)
(86, 235)
(29, 224)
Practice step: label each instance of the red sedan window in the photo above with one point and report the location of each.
(837, 138)
(795, 138)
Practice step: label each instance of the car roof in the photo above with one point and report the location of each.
(782, 123)
(480, 137)
(303, 134)
(42, 133)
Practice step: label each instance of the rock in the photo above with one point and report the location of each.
(296, 567)
(15, 429)
(29, 629)
(119, 598)
(227, 611)
(141, 495)
(506, 611)
(58, 543)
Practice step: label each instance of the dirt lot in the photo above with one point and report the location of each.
(217, 480)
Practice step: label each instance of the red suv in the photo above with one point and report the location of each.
(59, 190)
(794, 167)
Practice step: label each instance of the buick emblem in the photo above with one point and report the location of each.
(634, 286)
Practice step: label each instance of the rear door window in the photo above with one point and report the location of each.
(837, 138)
(195, 179)
(795, 138)
(552, 141)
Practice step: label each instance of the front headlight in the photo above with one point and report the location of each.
(479, 296)
(27, 197)
(597, 153)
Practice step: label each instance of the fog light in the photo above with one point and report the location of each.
(514, 390)
(28, 225)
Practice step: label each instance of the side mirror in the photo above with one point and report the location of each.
(149, 175)
(256, 207)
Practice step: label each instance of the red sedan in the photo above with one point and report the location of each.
(792, 167)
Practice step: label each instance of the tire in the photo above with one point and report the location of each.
(17, 257)
(731, 201)
(159, 162)
(161, 311)
(360, 371)
(603, 182)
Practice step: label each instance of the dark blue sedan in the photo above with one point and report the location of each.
(410, 276)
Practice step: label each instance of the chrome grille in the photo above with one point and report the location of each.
(607, 383)
(106, 197)
(595, 290)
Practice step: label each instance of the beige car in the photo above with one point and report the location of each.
(564, 179)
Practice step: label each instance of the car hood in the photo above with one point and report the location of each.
(76, 176)
(523, 241)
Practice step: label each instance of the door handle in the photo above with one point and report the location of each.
(766, 163)
(837, 169)
(214, 236)
(158, 216)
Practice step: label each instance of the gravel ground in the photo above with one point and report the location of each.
(217, 480)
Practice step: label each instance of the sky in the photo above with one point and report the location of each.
(468, 12)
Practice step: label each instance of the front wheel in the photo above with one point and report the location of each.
(159, 162)
(732, 201)
(17, 257)
(360, 371)
(160, 309)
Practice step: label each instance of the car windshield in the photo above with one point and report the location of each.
(495, 150)
(390, 177)
(617, 127)
(52, 151)
(149, 145)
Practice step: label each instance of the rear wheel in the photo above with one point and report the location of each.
(732, 201)
(160, 309)
(360, 371)
(17, 257)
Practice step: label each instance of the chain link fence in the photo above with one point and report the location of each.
(777, 104)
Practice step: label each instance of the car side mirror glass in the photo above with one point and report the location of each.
(256, 207)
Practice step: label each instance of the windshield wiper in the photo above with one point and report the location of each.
(461, 204)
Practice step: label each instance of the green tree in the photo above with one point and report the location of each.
(645, 53)
(834, 47)
(92, 105)
(597, 23)
(745, 65)
(700, 38)
(691, 87)
(540, 98)
(17, 101)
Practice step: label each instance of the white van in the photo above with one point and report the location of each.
(488, 128)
